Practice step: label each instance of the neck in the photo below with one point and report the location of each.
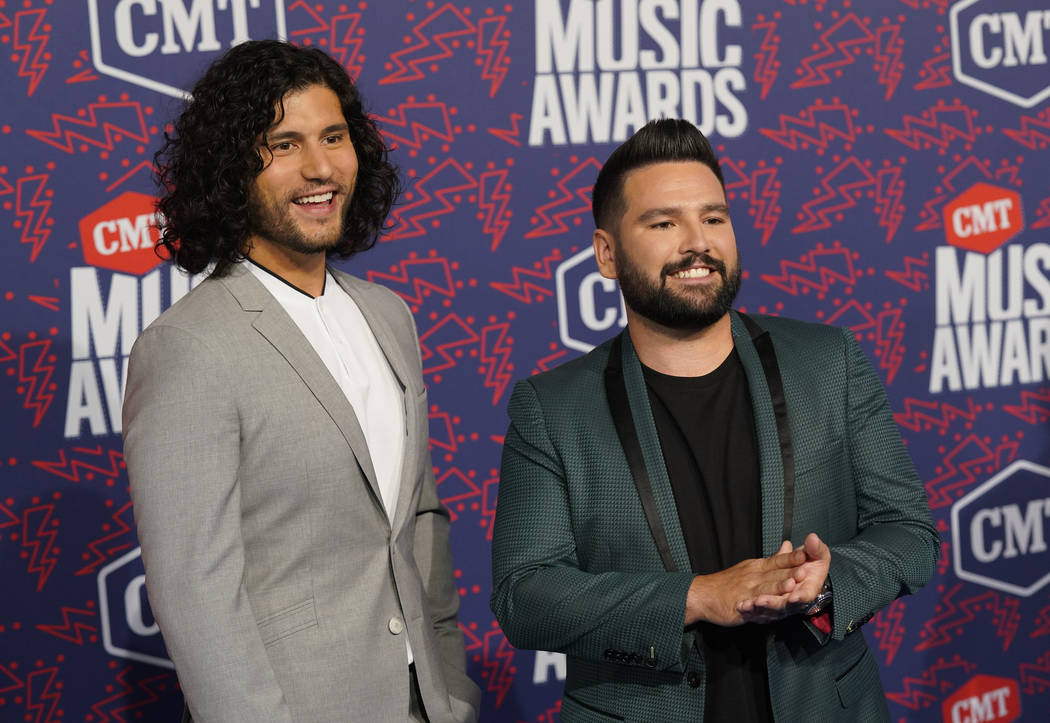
(305, 271)
(678, 352)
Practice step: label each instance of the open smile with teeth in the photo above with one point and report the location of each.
(697, 273)
(319, 198)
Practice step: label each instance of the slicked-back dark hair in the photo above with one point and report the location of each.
(658, 141)
(208, 164)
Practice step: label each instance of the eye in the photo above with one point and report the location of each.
(714, 220)
(333, 138)
(661, 225)
(282, 147)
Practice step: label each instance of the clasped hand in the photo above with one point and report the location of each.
(761, 590)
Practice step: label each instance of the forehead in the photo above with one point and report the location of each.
(312, 104)
(672, 181)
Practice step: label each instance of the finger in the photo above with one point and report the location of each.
(815, 548)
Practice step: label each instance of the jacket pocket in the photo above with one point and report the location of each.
(860, 678)
(573, 709)
(287, 622)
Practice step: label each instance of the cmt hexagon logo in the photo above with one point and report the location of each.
(1000, 47)
(983, 218)
(122, 234)
(999, 531)
(590, 308)
(984, 699)
(138, 40)
(128, 628)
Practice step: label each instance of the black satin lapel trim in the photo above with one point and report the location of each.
(770, 367)
(620, 408)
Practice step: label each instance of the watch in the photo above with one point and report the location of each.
(822, 601)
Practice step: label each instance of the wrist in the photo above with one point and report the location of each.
(822, 602)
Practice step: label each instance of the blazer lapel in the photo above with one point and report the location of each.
(659, 484)
(403, 372)
(774, 436)
(278, 328)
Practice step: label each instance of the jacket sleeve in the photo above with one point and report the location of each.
(896, 547)
(182, 448)
(541, 596)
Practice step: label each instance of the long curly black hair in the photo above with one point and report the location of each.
(208, 164)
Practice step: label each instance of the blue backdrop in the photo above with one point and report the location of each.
(886, 169)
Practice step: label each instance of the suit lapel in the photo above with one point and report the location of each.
(770, 449)
(277, 327)
(389, 345)
(652, 454)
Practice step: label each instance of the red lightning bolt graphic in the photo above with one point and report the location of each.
(498, 664)
(454, 488)
(493, 199)
(938, 630)
(38, 535)
(523, 289)
(495, 355)
(406, 280)
(71, 470)
(888, 49)
(107, 547)
(126, 702)
(911, 276)
(936, 72)
(451, 326)
(937, 126)
(815, 126)
(115, 120)
(1035, 677)
(813, 271)
(767, 66)
(345, 42)
(448, 180)
(440, 28)
(71, 629)
(510, 135)
(849, 35)
(573, 200)
(1034, 407)
(426, 120)
(889, 630)
(31, 207)
(41, 699)
(922, 414)
(34, 373)
(1034, 132)
(492, 49)
(30, 40)
(927, 689)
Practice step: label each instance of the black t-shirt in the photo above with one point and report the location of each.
(707, 433)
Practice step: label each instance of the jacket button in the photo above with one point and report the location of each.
(693, 679)
(395, 625)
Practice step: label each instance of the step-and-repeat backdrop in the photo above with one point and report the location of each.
(886, 165)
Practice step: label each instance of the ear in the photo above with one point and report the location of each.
(605, 253)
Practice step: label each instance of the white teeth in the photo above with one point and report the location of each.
(692, 273)
(319, 198)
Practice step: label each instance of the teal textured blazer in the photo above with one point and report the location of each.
(576, 568)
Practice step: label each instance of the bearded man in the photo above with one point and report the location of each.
(703, 511)
(275, 421)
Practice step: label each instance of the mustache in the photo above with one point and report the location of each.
(692, 260)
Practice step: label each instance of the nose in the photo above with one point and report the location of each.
(694, 238)
(315, 164)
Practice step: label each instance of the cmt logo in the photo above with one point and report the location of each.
(983, 218)
(984, 699)
(590, 308)
(1000, 47)
(122, 234)
(999, 531)
(137, 40)
(128, 628)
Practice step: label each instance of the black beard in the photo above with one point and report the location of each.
(693, 312)
(272, 223)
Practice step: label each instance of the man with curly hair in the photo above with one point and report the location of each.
(275, 420)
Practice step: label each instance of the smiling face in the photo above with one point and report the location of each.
(673, 251)
(300, 199)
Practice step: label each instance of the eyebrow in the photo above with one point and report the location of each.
(677, 211)
(291, 135)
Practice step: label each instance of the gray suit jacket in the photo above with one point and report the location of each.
(282, 590)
